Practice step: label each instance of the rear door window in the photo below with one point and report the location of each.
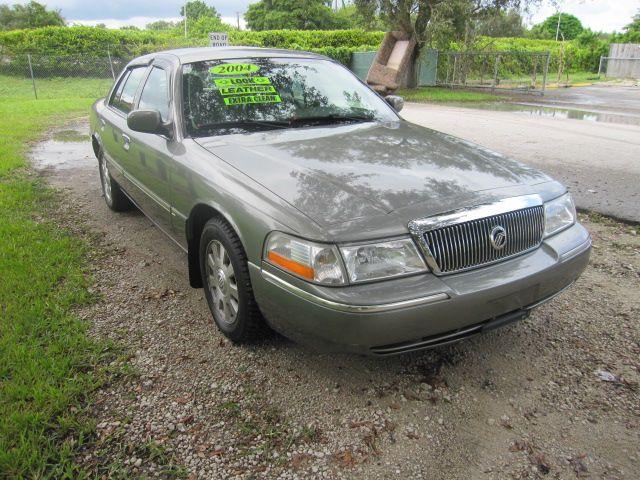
(155, 94)
(125, 93)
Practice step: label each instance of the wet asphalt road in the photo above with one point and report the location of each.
(623, 99)
(599, 161)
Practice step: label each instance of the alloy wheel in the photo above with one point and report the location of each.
(221, 282)
(106, 180)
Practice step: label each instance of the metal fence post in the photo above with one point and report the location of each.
(546, 72)
(113, 74)
(33, 80)
(600, 66)
(448, 69)
(455, 67)
(495, 73)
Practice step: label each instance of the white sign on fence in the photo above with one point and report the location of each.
(218, 39)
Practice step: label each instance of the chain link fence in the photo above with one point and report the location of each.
(514, 70)
(88, 76)
(51, 76)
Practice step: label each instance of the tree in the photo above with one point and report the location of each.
(161, 25)
(350, 16)
(202, 26)
(634, 26)
(631, 32)
(290, 14)
(414, 16)
(501, 24)
(30, 15)
(451, 20)
(197, 9)
(570, 27)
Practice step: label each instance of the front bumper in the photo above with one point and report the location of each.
(422, 311)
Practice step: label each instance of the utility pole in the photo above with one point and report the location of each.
(238, 19)
(558, 29)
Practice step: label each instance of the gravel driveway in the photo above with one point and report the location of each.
(599, 162)
(555, 396)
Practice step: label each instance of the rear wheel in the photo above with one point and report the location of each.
(227, 286)
(114, 197)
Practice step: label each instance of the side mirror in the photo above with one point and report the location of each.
(148, 121)
(396, 102)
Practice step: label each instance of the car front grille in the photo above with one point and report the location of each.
(459, 246)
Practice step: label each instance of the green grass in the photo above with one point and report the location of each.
(48, 366)
(570, 78)
(53, 88)
(459, 95)
(437, 94)
(576, 77)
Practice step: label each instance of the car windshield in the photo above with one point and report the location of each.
(250, 94)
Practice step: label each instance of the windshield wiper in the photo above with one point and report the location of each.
(332, 118)
(245, 124)
(292, 122)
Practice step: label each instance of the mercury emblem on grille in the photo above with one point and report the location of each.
(498, 237)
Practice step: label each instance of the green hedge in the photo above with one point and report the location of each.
(129, 43)
(83, 40)
(583, 53)
(306, 39)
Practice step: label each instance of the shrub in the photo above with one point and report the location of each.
(580, 54)
(83, 40)
(583, 53)
(73, 41)
(306, 39)
(342, 54)
(128, 43)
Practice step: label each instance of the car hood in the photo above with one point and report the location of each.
(342, 173)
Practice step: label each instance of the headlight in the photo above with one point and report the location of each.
(316, 262)
(559, 214)
(382, 260)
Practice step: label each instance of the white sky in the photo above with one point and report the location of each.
(142, 21)
(599, 15)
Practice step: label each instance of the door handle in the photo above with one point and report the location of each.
(126, 141)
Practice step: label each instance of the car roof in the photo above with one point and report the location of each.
(199, 54)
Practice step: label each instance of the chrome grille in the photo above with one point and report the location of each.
(465, 245)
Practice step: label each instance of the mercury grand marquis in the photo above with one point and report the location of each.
(305, 203)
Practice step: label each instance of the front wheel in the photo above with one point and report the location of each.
(114, 197)
(227, 286)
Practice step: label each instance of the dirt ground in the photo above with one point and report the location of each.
(555, 396)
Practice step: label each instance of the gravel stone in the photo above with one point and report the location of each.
(190, 399)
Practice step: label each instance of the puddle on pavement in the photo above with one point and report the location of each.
(70, 135)
(536, 110)
(67, 148)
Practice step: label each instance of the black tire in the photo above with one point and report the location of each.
(114, 197)
(247, 324)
